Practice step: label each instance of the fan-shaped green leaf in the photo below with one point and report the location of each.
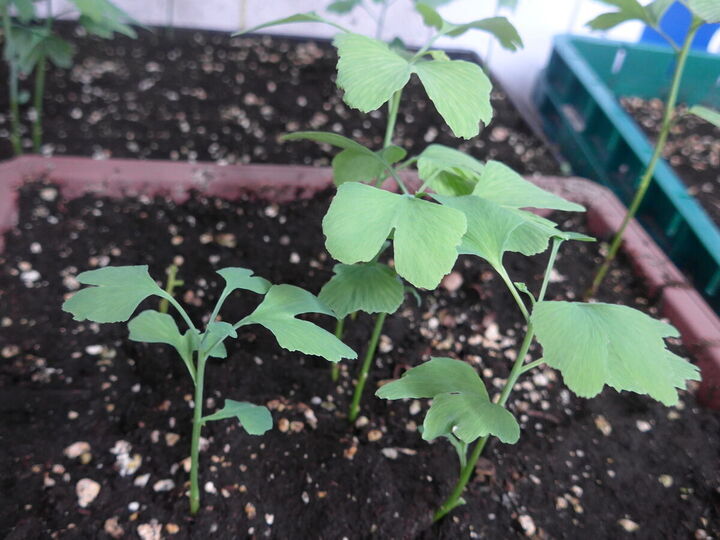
(214, 336)
(707, 114)
(242, 278)
(460, 91)
(370, 287)
(362, 217)
(300, 17)
(117, 293)
(353, 166)
(493, 230)
(436, 376)
(102, 17)
(499, 27)
(461, 406)
(341, 7)
(628, 10)
(598, 344)
(369, 71)
(255, 419)
(155, 327)
(707, 10)
(500, 184)
(469, 416)
(448, 171)
(277, 313)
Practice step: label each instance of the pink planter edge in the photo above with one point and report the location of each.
(681, 303)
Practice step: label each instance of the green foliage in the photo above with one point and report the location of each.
(255, 419)
(461, 405)
(342, 7)
(361, 218)
(707, 10)
(631, 10)
(448, 171)
(277, 313)
(370, 72)
(370, 287)
(499, 27)
(707, 114)
(116, 294)
(597, 344)
(310, 16)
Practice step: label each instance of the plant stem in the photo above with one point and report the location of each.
(172, 282)
(339, 328)
(12, 83)
(369, 355)
(37, 130)
(517, 369)
(393, 107)
(657, 154)
(516, 295)
(195, 442)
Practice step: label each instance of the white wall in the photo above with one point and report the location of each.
(537, 21)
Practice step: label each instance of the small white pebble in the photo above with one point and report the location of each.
(643, 426)
(269, 519)
(628, 524)
(87, 490)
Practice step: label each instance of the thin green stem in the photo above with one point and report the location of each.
(362, 377)
(195, 442)
(170, 285)
(532, 365)
(174, 303)
(557, 242)
(514, 292)
(393, 108)
(12, 82)
(37, 131)
(657, 154)
(339, 329)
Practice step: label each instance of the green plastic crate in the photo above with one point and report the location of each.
(577, 98)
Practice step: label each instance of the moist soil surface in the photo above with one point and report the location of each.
(598, 468)
(693, 149)
(200, 95)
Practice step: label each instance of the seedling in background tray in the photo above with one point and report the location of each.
(703, 11)
(116, 293)
(30, 42)
(470, 208)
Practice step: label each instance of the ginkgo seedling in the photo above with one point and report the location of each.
(116, 292)
(465, 207)
(30, 43)
(651, 14)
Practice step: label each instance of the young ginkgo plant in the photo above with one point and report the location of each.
(116, 292)
(461, 206)
(30, 42)
(701, 12)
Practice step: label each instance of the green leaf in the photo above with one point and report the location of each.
(449, 171)
(370, 287)
(468, 417)
(436, 376)
(708, 10)
(242, 278)
(353, 166)
(255, 419)
(508, 4)
(102, 17)
(499, 27)
(500, 184)
(628, 10)
(59, 51)
(325, 137)
(155, 327)
(707, 114)
(493, 230)
(310, 16)
(117, 293)
(341, 7)
(429, 15)
(25, 9)
(369, 71)
(214, 336)
(598, 344)
(277, 313)
(460, 91)
(361, 218)
(461, 405)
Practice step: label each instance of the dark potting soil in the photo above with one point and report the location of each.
(81, 402)
(207, 96)
(693, 149)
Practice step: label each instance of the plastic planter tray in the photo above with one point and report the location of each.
(698, 324)
(577, 99)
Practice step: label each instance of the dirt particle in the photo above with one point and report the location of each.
(164, 485)
(283, 425)
(603, 425)
(113, 528)
(250, 511)
(150, 531)
(629, 525)
(77, 449)
(86, 490)
(643, 426)
(666, 480)
(452, 282)
(527, 524)
(172, 528)
(374, 435)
